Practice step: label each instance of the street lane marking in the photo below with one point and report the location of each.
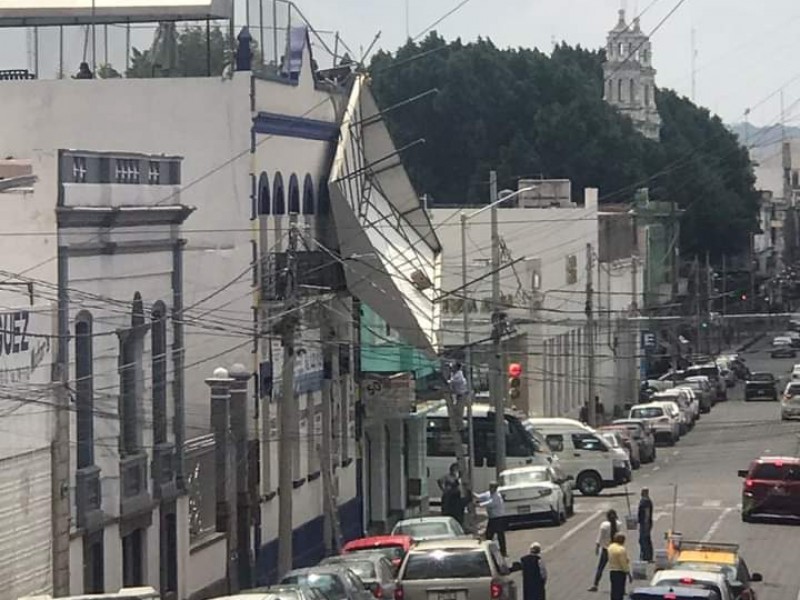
(715, 525)
(573, 531)
(656, 468)
(676, 452)
(712, 503)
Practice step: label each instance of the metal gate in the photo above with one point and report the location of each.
(25, 525)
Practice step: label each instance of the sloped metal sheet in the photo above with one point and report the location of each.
(25, 526)
(384, 234)
(19, 13)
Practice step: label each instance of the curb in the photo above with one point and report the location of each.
(751, 342)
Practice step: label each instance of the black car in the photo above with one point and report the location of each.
(761, 386)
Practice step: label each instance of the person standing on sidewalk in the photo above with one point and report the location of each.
(605, 535)
(619, 567)
(493, 502)
(645, 526)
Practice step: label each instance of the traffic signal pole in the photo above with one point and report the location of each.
(498, 393)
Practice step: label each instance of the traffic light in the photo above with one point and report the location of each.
(514, 383)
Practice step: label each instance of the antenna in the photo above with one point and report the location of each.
(783, 119)
(694, 65)
(408, 19)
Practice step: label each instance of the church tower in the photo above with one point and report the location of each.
(630, 78)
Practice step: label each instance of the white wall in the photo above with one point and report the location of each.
(204, 120)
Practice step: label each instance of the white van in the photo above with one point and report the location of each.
(583, 454)
(521, 447)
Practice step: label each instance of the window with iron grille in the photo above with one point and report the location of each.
(79, 169)
(127, 171)
(154, 173)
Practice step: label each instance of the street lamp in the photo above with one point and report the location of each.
(465, 310)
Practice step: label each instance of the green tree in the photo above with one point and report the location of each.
(198, 55)
(527, 114)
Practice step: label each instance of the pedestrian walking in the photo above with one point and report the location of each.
(645, 518)
(458, 382)
(583, 415)
(619, 567)
(605, 535)
(534, 574)
(450, 479)
(493, 502)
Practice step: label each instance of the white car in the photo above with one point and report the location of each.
(795, 373)
(536, 492)
(429, 528)
(686, 402)
(664, 423)
(790, 401)
(712, 579)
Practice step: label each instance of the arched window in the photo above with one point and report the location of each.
(84, 388)
(294, 195)
(264, 207)
(158, 348)
(277, 195)
(130, 368)
(619, 90)
(633, 91)
(324, 198)
(610, 92)
(647, 94)
(308, 196)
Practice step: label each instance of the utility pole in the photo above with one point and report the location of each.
(635, 326)
(467, 367)
(697, 293)
(724, 284)
(709, 301)
(498, 393)
(592, 407)
(289, 426)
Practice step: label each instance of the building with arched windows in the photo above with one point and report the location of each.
(629, 78)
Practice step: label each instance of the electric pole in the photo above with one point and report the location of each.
(697, 293)
(709, 301)
(467, 370)
(289, 426)
(592, 407)
(498, 393)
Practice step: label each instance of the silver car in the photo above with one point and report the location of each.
(372, 568)
(429, 528)
(456, 569)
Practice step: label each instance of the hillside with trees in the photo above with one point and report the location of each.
(529, 114)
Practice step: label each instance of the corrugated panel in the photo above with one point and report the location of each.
(25, 526)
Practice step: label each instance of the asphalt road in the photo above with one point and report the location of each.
(702, 467)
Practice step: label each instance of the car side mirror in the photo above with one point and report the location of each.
(742, 472)
(756, 577)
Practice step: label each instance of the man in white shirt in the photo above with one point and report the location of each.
(495, 507)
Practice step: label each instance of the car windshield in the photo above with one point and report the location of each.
(523, 477)
(447, 564)
(421, 530)
(776, 471)
(691, 583)
(363, 568)
(710, 372)
(793, 390)
(647, 412)
(390, 552)
(761, 377)
(329, 584)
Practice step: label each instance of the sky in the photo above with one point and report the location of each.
(747, 50)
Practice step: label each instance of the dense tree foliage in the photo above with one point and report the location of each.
(198, 53)
(527, 114)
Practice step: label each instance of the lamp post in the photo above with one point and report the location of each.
(465, 310)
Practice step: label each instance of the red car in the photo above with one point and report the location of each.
(394, 547)
(771, 488)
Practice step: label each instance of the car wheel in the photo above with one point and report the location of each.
(589, 483)
(746, 517)
(635, 465)
(671, 441)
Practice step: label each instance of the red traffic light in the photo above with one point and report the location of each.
(514, 370)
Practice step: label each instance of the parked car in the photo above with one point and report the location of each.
(710, 370)
(536, 492)
(761, 386)
(795, 375)
(702, 390)
(702, 555)
(681, 400)
(725, 371)
(461, 569)
(790, 403)
(782, 348)
(428, 528)
(712, 580)
(643, 434)
(335, 582)
(617, 438)
(665, 424)
(771, 488)
(373, 569)
(393, 547)
(794, 336)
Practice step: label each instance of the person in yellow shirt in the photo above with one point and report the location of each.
(619, 566)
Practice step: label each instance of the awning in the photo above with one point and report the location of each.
(391, 252)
